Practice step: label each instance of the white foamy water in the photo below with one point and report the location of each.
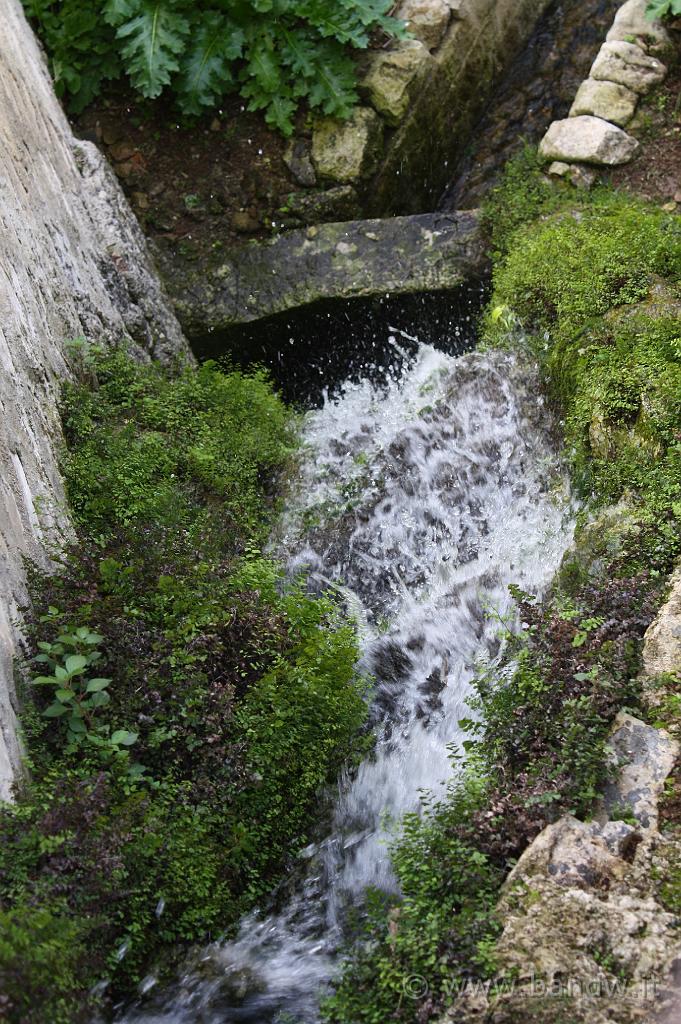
(420, 501)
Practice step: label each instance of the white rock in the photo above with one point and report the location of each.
(394, 76)
(630, 21)
(643, 758)
(627, 64)
(588, 140)
(558, 169)
(662, 645)
(427, 20)
(346, 151)
(608, 100)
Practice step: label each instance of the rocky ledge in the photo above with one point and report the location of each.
(586, 938)
(427, 252)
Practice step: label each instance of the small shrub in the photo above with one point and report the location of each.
(276, 53)
(41, 966)
(663, 9)
(563, 272)
(165, 634)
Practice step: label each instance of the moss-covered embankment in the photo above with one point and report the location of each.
(186, 705)
(591, 287)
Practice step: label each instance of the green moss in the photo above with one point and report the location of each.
(563, 272)
(41, 956)
(240, 692)
(572, 285)
(523, 193)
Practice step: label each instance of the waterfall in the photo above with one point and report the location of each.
(419, 500)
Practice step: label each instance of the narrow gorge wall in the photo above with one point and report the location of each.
(73, 263)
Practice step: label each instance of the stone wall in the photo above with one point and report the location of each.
(626, 67)
(421, 100)
(73, 263)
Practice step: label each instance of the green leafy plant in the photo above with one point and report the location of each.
(78, 696)
(276, 53)
(663, 9)
(240, 690)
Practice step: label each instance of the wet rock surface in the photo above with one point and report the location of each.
(429, 252)
(662, 653)
(540, 87)
(393, 78)
(427, 20)
(347, 151)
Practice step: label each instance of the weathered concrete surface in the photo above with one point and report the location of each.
(355, 258)
(73, 264)
(482, 39)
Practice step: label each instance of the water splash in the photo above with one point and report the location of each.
(420, 501)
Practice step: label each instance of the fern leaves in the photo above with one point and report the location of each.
(154, 36)
(277, 53)
(207, 71)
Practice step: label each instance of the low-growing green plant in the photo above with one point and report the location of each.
(573, 285)
(663, 9)
(78, 696)
(570, 268)
(276, 53)
(166, 632)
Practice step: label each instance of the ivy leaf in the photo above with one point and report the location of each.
(123, 738)
(95, 685)
(55, 710)
(154, 39)
(75, 664)
(206, 70)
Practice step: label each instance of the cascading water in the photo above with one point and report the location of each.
(420, 500)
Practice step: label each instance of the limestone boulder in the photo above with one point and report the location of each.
(587, 139)
(427, 20)
(642, 758)
(631, 23)
(627, 64)
(612, 102)
(347, 151)
(572, 853)
(393, 78)
(399, 255)
(662, 644)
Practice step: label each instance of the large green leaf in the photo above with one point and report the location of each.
(154, 39)
(333, 88)
(662, 8)
(207, 63)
